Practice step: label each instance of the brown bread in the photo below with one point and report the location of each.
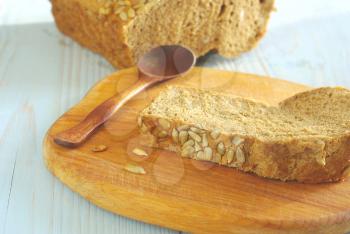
(306, 138)
(122, 30)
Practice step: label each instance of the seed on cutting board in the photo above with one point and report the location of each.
(140, 152)
(183, 136)
(175, 135)
(165, 124)
(236, 141)
(221, 148)
(99, 148)
(195, 136)
(135, 169)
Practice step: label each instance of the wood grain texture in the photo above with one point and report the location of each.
(184, 194)
(43, 70)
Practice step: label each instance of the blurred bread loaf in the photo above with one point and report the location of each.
(122, 30)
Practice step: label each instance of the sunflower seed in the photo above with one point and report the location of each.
(139, 152)
(175, 135)
(183, 136)
(118, 10)
(240, 156)
(162, 134)
(223, 160)
(196, 130)
(197, 147)
(204, 140)
(195, 136)
(104, 11)
(123, 16)
(124, 3)
(236, 141)
(134, 169)
(140, 9)
(165, 124)
(200, 155)
(208, 153)
(183, 127)
(187, 152)
(221, 148)
(215, 134)
(99, 148)
(131, 13)
(320, 145)
(216, 158)
(138, 5)
(321, 161)
(229, 155)
(188, 143)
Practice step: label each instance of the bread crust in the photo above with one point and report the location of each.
(102, 34)
(118, 42)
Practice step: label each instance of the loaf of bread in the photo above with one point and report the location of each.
(123, 30)
(306, 138)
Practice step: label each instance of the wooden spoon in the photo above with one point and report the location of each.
(158, 65)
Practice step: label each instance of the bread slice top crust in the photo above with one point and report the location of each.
(317, 114)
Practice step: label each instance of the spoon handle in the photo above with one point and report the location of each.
(79, 133)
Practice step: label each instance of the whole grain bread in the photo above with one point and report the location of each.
(123, 30)
(305, 138)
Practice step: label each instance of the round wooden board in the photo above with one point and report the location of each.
(184, 194)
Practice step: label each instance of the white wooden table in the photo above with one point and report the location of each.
(42, 73)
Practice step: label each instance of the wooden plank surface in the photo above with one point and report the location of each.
(42, 73)
(186, 194)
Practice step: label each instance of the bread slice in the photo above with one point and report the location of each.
(122, 30)
(305, 138)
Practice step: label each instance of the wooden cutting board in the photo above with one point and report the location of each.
(184, 194)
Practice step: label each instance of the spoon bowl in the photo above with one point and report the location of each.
(166, 62)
